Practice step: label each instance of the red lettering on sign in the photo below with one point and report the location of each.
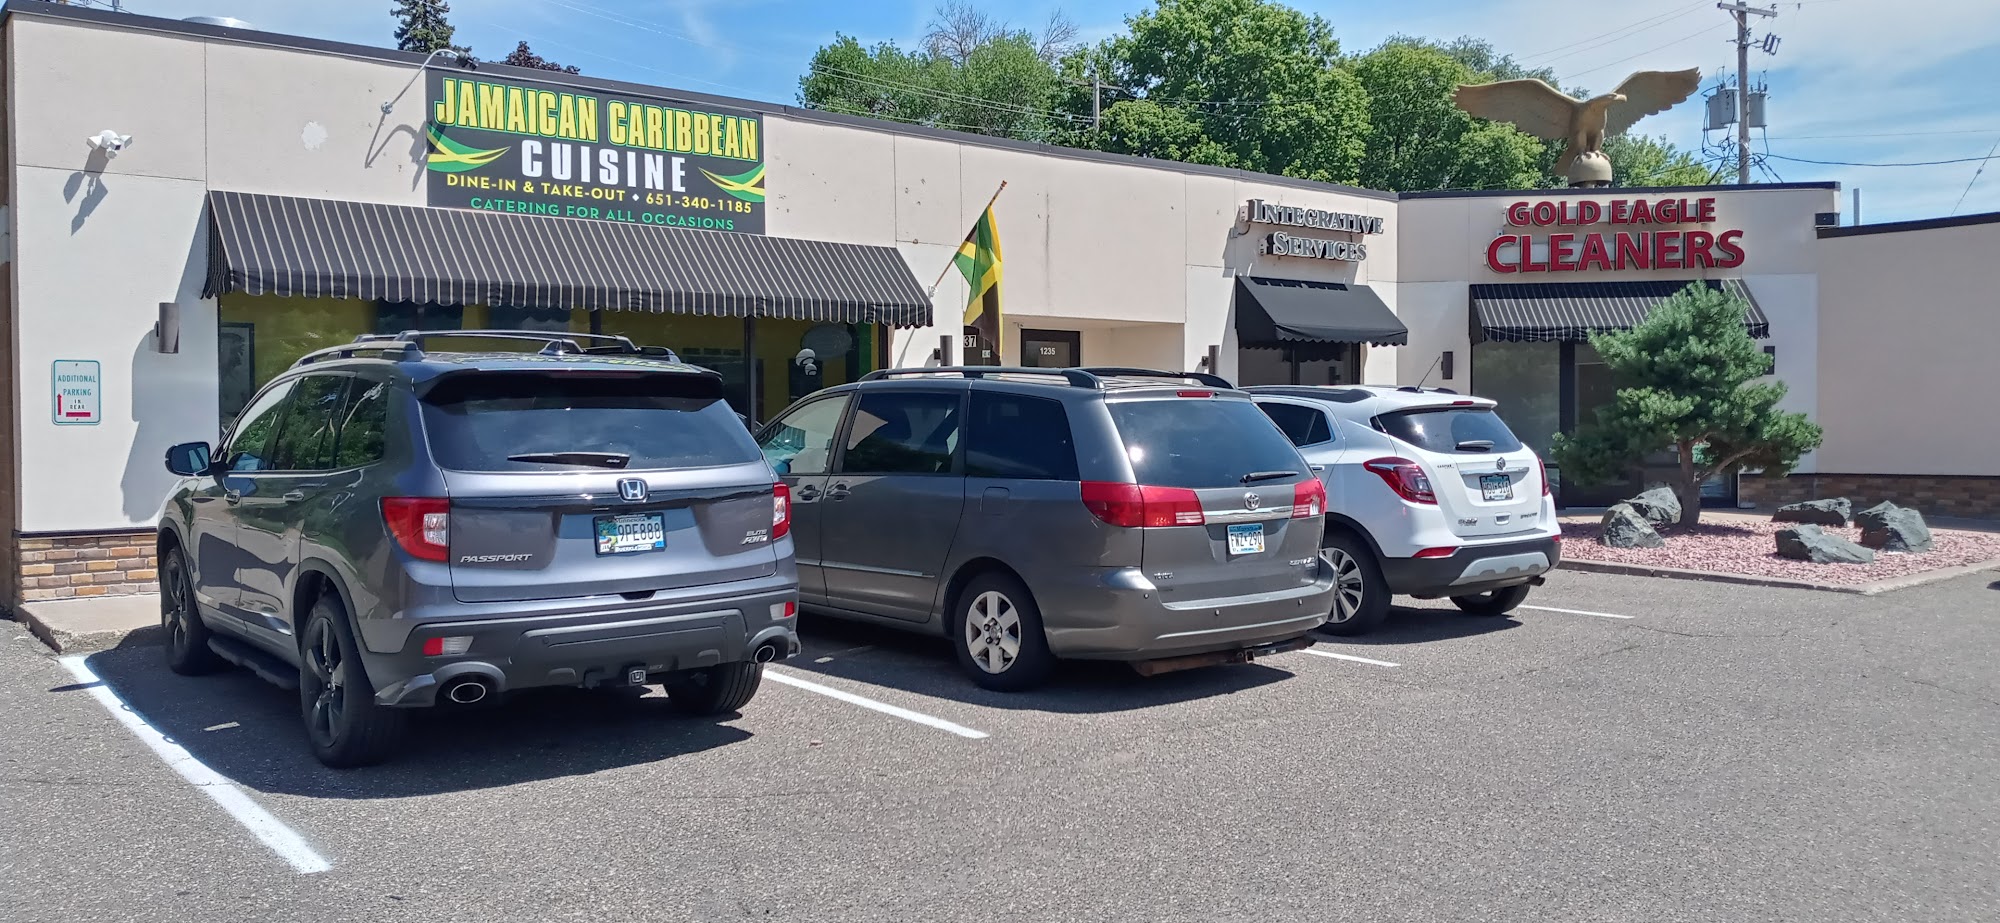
(1641, 212)
(1593, 252)
(1517, 214)
(1588, 212)
(1560, 253)
(1621, 211)
(1632, 252)
(1705, 210)
(1667, 250)
(1732, 255)
(1493, 261)
(1528, 263)
(1545, 213)
(1698, 247)
(1667, 211)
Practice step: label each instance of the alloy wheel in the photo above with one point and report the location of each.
(323, 661)
(1348, 587)
(176, 607)
(993, 632)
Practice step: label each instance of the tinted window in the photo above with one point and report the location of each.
(305, 441)
(1193, 442)
(1302, 425)
(902, 432)
(249, 445)
(486, 421)
(1450, 429)
(363, 423)
(801, 442)
(1019, 437)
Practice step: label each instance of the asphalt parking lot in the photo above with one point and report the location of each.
(1632, 749)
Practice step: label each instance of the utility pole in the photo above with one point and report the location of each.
(1743, 11)
(1096, 94)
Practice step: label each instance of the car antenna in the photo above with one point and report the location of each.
(1427, 372)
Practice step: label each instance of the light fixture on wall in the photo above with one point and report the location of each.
(464, 60)
(1772, 351)
(167, 330)
(1444, 366)
(108, 141)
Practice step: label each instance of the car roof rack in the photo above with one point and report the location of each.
(1204, 378)
(1077, 378)
(408, 346)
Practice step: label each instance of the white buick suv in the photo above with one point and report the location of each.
(1429, 495)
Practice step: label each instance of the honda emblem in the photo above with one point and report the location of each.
(632, 489)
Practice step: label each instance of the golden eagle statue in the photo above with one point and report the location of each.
(1546, 112)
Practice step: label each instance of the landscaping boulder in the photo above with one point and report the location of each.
(1658, 505)
(1808, 542)
(1834, 512)
(1625, 527)
(1889, 527)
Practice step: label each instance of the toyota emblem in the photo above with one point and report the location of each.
(632, 489)
(1251, 501)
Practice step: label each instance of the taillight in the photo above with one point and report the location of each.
(422, 525)
(1435, 553)
(1405, 477)
(1132, 506)
(1194, 394)
(1543, 467)
(781, 510)
(1308, 498)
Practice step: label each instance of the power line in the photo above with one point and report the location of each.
(1975, 176)
(1886, 134)
(1648, 51)
(1917, 163)
(1613, 37)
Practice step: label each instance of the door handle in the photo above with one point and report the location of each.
(1319, 469)
(294, 496)
(808, 494)
(838, 492)
(233, 495)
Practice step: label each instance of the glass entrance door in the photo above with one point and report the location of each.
(1051, 349)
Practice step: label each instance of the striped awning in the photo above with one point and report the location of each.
(1315, 320)
(314, 248)
(1571, 311)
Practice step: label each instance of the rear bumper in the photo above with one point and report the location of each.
(1474, 568)
(589, 648)
(1119, 616)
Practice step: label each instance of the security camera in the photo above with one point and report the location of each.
(110, 142)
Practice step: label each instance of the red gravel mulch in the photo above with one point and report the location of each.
(1749, 546)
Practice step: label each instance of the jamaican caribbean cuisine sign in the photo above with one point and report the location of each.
(524, 147)
(1581, 236)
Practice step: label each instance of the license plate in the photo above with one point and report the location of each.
(1496, 486)
(1246, 539)
(631, 533)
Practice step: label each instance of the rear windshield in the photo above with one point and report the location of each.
(501, 421)
(1450, 430)
(1197, 442)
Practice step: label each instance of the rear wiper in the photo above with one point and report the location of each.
(1476, 445)
(1268, 475)
(593, 459)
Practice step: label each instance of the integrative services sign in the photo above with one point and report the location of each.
(1614, 234)
(525, 147)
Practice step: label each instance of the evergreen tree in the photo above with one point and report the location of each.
(421, 26)
(1685, 379)
(523, 56)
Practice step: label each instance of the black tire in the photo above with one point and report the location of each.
(1360, 595)
(1492, 602)
(188, 652)
(992, 613)
(344, 725)
(716, 690)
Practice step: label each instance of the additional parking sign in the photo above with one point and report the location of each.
(79, 392)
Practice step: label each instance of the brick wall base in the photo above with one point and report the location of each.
(1931, 495)
(69, 566)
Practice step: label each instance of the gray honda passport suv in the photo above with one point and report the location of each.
(1034, 514)
(387, 527)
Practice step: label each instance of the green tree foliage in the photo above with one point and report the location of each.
(1418, 140)
(1686, 379)
(421, 26)
(523, 56)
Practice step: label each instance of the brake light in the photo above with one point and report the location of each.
(1405, 477)
(1543, 467)
(1131, 506)
(1308, 498)
(1435, 553)
(422, 525)
(781, 510)
(1194, 394)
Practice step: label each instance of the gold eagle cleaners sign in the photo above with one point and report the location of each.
(525, 147)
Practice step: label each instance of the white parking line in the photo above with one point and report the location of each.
(268, 830)
(868, 703)
(1316, 652)
(1602, 615)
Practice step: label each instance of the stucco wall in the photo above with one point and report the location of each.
(1907, 331)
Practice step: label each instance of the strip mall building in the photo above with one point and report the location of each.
(270, 195)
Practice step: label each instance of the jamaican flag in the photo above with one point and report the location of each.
(979, 260)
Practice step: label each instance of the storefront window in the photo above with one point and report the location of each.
(1335, 365)
(1526, 379)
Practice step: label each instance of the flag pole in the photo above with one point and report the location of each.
(948, 264)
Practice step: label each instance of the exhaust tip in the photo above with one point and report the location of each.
(467, 693)
(767, 653)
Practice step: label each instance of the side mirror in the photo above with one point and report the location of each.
(189, 459)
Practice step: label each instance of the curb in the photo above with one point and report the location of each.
(67, 642)
(1708, 576)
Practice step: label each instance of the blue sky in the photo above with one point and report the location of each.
(1865, 81)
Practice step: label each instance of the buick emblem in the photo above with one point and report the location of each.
(1499, 464)
(1251, 501)
(632, 489)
